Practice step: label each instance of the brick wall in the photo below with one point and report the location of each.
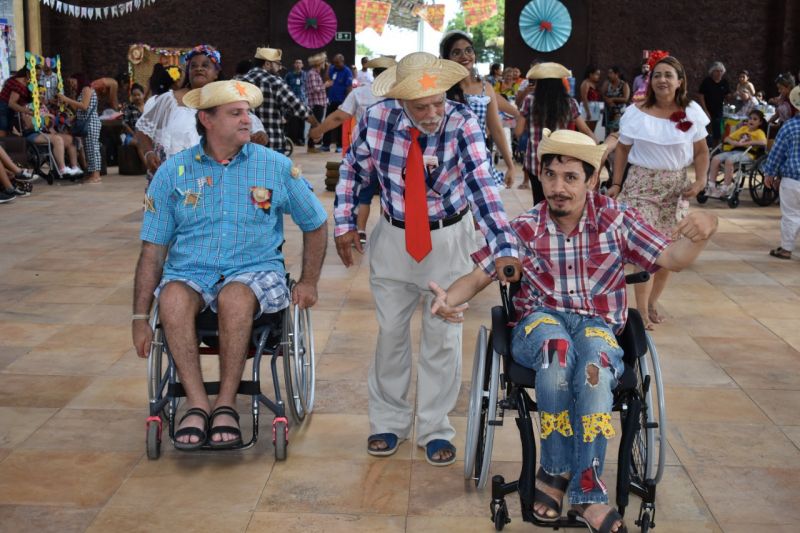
(236, 28)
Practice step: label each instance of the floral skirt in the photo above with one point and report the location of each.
(656, 194)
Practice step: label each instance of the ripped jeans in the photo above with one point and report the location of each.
(577, 362)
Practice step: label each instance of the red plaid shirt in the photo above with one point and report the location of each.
(582, 272)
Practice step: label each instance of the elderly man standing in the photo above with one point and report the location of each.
(278, 97)
(429, 156)
(712, 94)
(218, 209)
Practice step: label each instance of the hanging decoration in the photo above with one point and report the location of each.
(143, 57)
(312, 23)
(433, 14)
(545, 25)
(372, 14)
(32, 60)
(477, 11)
(97, 13)
(6, 38)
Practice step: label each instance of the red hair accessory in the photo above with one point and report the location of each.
(680, 120)
(656, 56)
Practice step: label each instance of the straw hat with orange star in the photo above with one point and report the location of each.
(223, 92)
(418, 75)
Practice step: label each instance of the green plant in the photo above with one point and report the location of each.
(489, 29)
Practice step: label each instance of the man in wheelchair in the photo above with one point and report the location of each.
(571, 302)
(211, 236)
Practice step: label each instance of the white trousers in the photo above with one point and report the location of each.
(397, 283)
(790, 212)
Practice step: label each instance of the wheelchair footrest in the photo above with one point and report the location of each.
(248, 388)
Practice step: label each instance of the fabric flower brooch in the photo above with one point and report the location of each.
(261, 197)
(680, 120)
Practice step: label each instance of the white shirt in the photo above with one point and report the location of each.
(173, 126)
(658, 144)
(365, 78)
(358, 101)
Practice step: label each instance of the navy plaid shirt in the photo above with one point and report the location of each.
(206, 212)
(784, 157)
(462, 178)
(278, 100)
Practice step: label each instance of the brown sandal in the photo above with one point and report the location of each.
(780, 253)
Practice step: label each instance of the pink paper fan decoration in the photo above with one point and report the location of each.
(312, 23)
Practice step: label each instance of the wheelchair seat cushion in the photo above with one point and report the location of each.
(208, 321)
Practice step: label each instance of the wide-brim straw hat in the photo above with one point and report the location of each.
(269, 54)
(317, 59)
(219, 93)
(544, 71)
(381, 62)
(794, 97)
(418, 75)
(571, 143)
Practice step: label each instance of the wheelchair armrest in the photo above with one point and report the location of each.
(632, 340)
(501, 333)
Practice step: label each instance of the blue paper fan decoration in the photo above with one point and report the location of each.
(545, 25)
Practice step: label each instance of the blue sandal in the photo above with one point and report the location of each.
(438, 445)
(391, 440)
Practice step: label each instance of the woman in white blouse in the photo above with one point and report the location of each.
(659, 138)
(167, 126)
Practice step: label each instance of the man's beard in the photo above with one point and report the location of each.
(554, 211)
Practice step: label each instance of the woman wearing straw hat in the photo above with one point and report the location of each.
(429, 157)
(550, 106)
(480, 97)
(168, 126)
(659, 138)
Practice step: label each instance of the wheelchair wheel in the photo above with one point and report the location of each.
(761, 194)
(483, 456)
(153, 441)
(299, 362)
(473, 411)
(280, 439)
(288, 147)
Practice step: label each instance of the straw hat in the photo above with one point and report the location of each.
(418, 75)
(223, 92)
(317, 59)
(572, 144)
(543, 71)
(269, 54)
(381, 62)
(794, 97)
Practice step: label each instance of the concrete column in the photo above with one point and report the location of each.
(33, 26)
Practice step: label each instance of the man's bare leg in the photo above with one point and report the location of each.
(236, 307)
(178, 306)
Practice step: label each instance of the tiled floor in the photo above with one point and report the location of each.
(73, 395)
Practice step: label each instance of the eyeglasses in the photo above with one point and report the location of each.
(455, 53)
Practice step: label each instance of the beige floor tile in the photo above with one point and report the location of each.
(68, 360)
(341, 397)
(4, 452)
(462, 524)
(718, 405)
(45, 519)
(732, 444)
(793, 432)
(106, 337)
(165, 518)
(27, 333)
(63, 478)
(9, 354)
(785, 328)
(18, 423)
(325, 523)
(194, 481)
(18, 390)
(343, 367)
(733, 493)
(694, 373)
(780, 405)
(91, 430)
(111, 392)
(365, 486)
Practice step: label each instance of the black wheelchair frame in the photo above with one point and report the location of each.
(637, 472)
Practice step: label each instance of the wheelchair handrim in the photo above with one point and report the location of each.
(473, 410)
(491, 416)
(662, 408)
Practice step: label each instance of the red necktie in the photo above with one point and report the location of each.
(418, 229)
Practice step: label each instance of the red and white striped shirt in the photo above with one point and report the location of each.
(582, 272)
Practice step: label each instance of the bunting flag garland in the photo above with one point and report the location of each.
(372, 14)
(477, 11)
(97, 13)
(433, 14)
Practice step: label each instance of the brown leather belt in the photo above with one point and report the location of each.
(434, 224)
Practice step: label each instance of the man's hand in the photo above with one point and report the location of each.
(304, 294)
(698, 226)
(501, 262)
(694, 189)
(510, 173)
(142, 337)
(259, 138)
(345, 244)
(772, 182)
(152, 161)
(444, 311)
(315, 134)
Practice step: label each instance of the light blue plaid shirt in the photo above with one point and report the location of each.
(206, 212)
(784, 157)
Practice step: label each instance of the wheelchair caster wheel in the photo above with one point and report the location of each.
(500, 515)
(153, 439)
(280, 438)
(701, 197)
(644, 523)
(733, 201)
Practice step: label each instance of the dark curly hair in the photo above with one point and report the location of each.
(551, 104)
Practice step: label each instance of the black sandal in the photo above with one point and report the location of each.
(192, 431)
(611, 518)
(555, 482)
(781, 253)
(224, 444)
